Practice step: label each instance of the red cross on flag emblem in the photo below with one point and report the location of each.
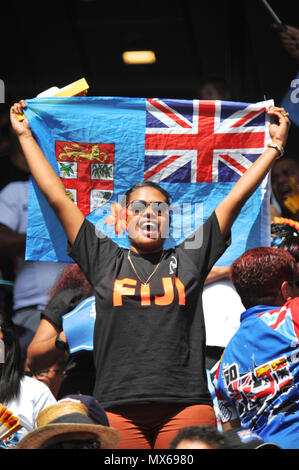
(86, 170)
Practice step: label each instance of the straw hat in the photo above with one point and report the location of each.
(64, 418)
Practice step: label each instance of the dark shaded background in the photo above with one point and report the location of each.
(47, 43)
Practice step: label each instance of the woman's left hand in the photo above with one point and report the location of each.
(279, 125)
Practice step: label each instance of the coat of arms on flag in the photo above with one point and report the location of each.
(102, 146)
(86, 170)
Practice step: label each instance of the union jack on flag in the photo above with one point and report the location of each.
(201, 141)
(102, 146)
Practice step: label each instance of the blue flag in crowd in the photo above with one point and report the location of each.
(78, 326)
(290, 101)
(101, 146)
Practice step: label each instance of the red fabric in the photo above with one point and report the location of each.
(153, 426)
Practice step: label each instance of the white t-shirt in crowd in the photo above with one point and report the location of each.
(222, 308)
(33, 397)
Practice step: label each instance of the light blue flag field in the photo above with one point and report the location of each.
(102, 146)
(78, 326)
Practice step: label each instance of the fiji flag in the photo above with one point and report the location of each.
(101, 146)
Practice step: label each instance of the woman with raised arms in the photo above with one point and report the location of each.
(149, 337)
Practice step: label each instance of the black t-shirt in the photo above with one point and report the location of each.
(61, 303)
(148, 341)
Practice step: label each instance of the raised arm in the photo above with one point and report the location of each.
(228, 209)
(47, 180)
(42, 352)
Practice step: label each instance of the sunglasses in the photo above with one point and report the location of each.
(158, 207)
(75, 444)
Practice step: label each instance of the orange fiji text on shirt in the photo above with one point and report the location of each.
(127, 286)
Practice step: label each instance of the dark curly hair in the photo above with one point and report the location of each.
(73, 278)
(286, 237)
(258, 274)
(207, 434)
(146, 184)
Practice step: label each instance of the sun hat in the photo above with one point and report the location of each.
(94, 409)
(238, 438)
(67, 417)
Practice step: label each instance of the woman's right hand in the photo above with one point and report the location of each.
(279, 125)
(21, 127)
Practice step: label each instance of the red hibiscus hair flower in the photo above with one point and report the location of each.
(118, 218)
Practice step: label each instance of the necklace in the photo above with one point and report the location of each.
(151, 275)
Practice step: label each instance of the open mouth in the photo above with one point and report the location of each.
(149, 228)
